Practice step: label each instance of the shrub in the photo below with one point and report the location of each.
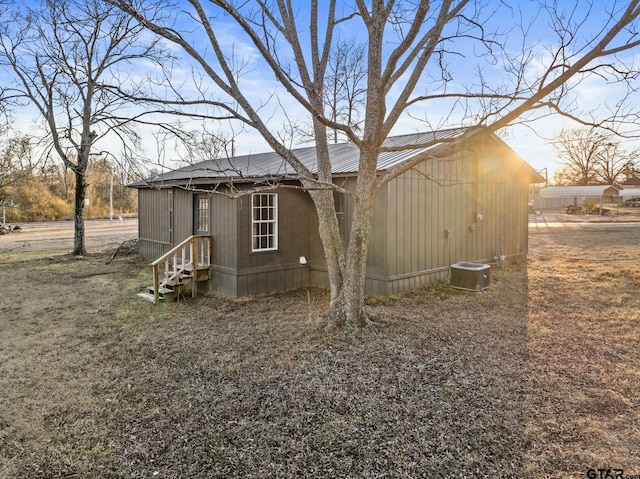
(34, 202)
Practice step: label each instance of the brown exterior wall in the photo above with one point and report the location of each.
(182, 215)
(279, 270)
(224, 258)
(432, 217)
(166, 219)
(155, 207)
(503, 194)
(424, 221)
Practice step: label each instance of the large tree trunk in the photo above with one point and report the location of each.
(328, 229)
(355, 277)
(348, 294)
(331, 240)
(78, 217)
(346, 274)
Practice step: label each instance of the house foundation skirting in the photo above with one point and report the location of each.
(265, 279)
(395, 284)
(387, 285)
(249, 281)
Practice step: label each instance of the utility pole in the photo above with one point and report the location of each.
(110, 196)
(5, 204)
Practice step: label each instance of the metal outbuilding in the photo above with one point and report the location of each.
(579, 191)
(630, 193)
(560, 196)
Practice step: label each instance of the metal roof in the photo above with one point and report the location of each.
(630, 192)
(575, 191)
(631, 182)
(344, 157)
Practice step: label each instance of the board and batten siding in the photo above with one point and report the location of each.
(376, 258)
(429, 210)
(224, 257)
(165, 219)
(424, 220)
(183, 214)
(155, 211)
(432, 217)
(262, 272)
(503, 196)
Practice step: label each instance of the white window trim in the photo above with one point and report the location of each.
(274, 222)
(203, 214)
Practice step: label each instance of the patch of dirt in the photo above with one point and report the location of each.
(535, 377)
(36, 239)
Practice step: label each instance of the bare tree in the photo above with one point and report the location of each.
(15, 163)
(345, 90)
(614, 163)
(4, 96)
(71, 60)
(578, 153)
(631, 170)
(345, 85)
(590, 156)
(201, 145)
(418, 54)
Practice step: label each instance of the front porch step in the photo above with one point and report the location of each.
(148, 296)
(162, 291)
(170, 290)
(186, 264)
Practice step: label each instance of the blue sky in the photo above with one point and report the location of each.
(532, 142)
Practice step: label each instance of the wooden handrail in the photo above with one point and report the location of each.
(176, 248)
(176, 261)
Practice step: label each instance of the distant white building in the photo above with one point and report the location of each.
(560, 196)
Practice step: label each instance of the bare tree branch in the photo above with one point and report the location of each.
(64, 56)
(419, 55)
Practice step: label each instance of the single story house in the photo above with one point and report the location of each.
(468, 206)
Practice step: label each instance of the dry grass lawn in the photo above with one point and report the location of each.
(539, 376)
(583, 394)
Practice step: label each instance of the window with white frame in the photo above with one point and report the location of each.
(203, 214)
(264, 222)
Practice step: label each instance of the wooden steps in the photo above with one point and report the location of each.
(168, 291)
(148, 296)
(175, 273)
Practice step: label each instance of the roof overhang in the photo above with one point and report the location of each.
(532, 175)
